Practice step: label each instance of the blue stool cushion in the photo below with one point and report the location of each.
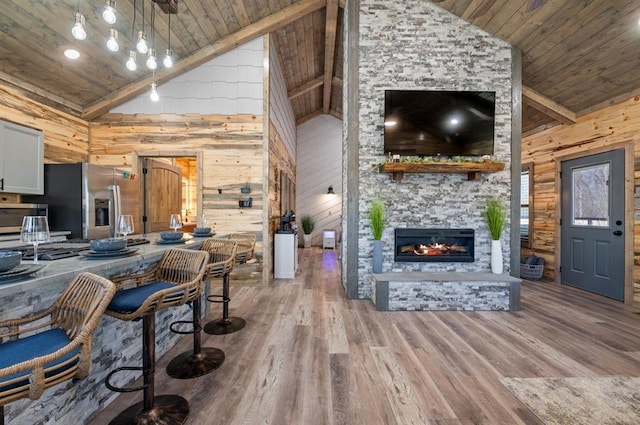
(43, 343)
(129, 300)
(217, 269)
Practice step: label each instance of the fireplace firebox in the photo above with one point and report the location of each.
(434, 245)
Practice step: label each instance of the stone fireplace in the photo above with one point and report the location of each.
(431, 49)
(434, 245)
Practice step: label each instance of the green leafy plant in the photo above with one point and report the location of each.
(496, 217)
(377, 218)
(307, 224)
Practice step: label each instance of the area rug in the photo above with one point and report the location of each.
(610, 400)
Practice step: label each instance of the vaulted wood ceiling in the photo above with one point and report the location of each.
(578, 56)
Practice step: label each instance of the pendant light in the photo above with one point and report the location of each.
(168, 59)
(112, 41)
(151, 60)
(131, 62)
(109, 12)
(78, 31)
(154, 96)
(142, 45)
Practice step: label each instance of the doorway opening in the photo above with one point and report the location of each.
(171, 185)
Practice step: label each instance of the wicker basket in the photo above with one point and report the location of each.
(528, 271)
(531, 267)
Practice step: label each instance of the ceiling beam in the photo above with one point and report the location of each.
(316, 82)
(265, 25)
(331, 26)
(548, 106)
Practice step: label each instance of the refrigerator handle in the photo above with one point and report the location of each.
(115, 209)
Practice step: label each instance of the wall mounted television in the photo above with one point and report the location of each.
(431, 123)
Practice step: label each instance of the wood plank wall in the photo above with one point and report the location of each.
(279, 161)
(66, 138)
(591, 133)
(231, 148)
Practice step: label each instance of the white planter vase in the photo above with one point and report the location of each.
(306, 240)
(496, 257)
(377, 256)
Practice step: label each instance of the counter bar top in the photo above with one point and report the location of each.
(115, 343)
(64, 270)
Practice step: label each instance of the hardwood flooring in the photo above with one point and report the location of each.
(310, 356)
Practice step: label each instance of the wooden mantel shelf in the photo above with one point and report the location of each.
(474, 170)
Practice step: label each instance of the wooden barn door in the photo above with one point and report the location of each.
(162, 194)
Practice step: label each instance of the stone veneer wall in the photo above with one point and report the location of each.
(415, 45)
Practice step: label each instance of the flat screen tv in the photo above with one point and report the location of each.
(431, 123)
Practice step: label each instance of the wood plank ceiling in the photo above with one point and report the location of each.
(576, 58)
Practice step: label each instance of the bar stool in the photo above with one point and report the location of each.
(60, 348)
(201, 360)
(222, 257)
(174, 281)
(246, 246)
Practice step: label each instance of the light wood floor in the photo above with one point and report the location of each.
(309, 356)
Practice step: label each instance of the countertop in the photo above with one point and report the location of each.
(66, 269)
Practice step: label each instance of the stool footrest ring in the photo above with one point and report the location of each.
(195, 329)
(112, 387)
(211, 299)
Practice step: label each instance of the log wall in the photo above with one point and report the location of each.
(611, 127)
(230, 146)
(66, 138)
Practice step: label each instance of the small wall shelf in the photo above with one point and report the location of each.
(474, 170)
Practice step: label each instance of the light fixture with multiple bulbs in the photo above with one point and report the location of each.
(143, 45)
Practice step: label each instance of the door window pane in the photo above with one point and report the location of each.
(591, 196)
(525, 182)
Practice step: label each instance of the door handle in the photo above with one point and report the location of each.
(618, 232)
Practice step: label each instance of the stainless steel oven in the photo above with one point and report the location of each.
(11, 215)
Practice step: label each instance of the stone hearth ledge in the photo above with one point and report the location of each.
(445, 291)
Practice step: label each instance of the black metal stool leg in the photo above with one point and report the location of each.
(160, 410)
(227, 324)
(201, 360)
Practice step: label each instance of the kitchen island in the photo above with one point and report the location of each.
(116, 343)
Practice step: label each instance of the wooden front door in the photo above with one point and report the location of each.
(592, 226)
(162, 194)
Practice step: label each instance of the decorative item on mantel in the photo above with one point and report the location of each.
(377, 220)
(495, 215)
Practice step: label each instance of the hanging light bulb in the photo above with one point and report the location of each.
(112, 41)
(78, 30)
(168, 60)
(154, 92)
(109, 12)
(142, 46)
(131, 62)
(151, 60)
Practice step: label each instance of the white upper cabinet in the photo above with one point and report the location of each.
(21, 159)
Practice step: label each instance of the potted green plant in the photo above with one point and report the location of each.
(377, 221)
(496, 217)
(307, 228)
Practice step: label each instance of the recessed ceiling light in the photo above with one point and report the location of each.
(72, 53)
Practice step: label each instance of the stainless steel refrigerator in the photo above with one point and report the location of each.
(86, 199)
